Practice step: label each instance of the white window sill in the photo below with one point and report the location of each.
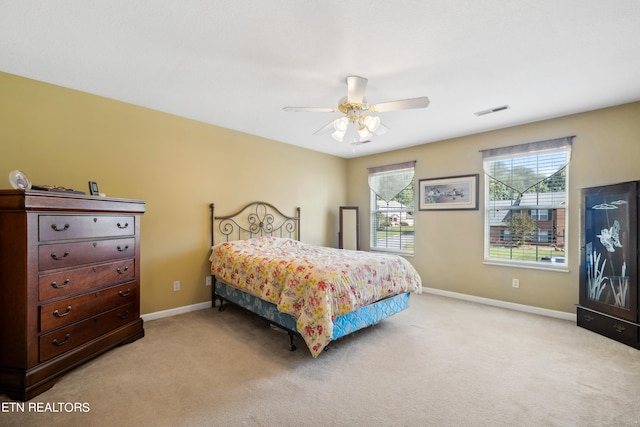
(547, 266)
(392, 252)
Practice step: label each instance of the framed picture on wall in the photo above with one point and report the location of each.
(448, 193)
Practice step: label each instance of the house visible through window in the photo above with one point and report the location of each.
(526, 202)
(392, 208)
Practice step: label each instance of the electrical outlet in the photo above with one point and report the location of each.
(176, 286)
(515, 283)
(207, 280)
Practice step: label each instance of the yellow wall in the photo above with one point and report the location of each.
(64, 137)
(449, 244)
(178, 166)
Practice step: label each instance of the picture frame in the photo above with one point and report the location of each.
(448, 193)
(93, 188)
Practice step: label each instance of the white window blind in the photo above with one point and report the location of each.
(392, 207)
(522, 167)
(526, 201)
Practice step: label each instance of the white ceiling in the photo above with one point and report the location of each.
(237, 63)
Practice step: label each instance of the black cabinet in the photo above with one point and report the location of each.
(608, 302)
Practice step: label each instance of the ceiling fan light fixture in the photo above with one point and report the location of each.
(372, 123)
(356, 123)
(338, 135)
(341, 124)
(364, 133)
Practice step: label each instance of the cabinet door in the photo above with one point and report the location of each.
(608, 274)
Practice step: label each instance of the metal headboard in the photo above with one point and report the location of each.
(255, 220)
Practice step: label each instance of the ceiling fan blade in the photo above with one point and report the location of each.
(310, 109)
(403, 104)
(325, 129)
(382, 129)
(355, 89)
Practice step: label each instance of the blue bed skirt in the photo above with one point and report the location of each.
(342, 325)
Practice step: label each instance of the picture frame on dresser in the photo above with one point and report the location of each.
(93, 188)
(70, 280)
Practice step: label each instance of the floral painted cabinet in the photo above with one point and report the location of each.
(609, 262)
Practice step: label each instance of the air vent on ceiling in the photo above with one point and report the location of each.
(491, 110)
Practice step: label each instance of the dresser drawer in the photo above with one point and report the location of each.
(69, 282)
(62, 255)
(65, 312)
(614, 328)
(57, 342)
(67, 227)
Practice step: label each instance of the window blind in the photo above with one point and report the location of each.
(522, 167)
(392, 206)
(388, 181)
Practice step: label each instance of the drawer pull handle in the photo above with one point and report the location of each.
(55, 284)
(125, 294)
(121, 249)
(126, 268)
(55, 227)
(63, 342)
(58, 314)
(588, 318)
(123, 316)
(57, 258)
(619, 328)
(126, 224)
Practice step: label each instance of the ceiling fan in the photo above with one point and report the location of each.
(358, 122)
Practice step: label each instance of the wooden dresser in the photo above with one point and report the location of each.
(69, 283)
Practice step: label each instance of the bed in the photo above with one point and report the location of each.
(321, 294)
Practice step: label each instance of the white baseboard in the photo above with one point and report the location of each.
(510, 305)
(496, 303)
(174, 311)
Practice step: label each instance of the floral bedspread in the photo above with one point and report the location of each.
(312, 283)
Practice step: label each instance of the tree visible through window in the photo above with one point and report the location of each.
(392, 208)
(526, 202)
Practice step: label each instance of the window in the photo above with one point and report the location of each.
(540, 214)
(525, 203)
(392, 208)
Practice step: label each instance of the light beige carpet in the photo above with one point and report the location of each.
(443, 362)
